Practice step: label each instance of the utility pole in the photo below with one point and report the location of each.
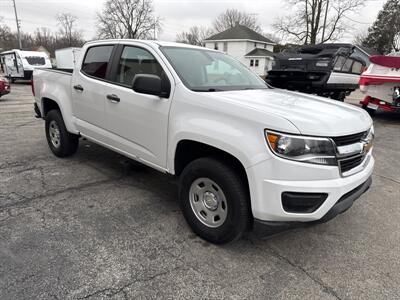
(18, 29)
(326, 15)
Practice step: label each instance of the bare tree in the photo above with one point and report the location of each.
(231, 17)
(316, 21)
(195, 35)
(132, 19)
(359, 37)
(43, 36)
(66, 23)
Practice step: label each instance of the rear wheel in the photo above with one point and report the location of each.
(215, 200)
(61, 142)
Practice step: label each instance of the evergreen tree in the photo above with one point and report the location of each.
(384, 34)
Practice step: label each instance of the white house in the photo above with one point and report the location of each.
(251, 48)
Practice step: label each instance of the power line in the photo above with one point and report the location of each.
(355, 21)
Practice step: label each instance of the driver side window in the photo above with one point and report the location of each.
(134, 61)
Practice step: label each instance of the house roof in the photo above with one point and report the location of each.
(260, 52)
(239, 32)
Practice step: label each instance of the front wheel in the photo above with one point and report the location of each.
(61, 142)
(215, 200)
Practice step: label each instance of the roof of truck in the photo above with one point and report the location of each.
(148, 42)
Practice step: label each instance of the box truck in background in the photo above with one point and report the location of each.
(67, 57)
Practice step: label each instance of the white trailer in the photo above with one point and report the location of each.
(66, 58)
(19, 64)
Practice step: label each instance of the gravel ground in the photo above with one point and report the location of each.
(94, 227)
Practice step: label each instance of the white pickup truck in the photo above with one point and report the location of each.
(243, 151)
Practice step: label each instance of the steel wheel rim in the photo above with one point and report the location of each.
(54, 133)
(208, 202)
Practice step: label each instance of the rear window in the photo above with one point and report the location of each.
(96, 61)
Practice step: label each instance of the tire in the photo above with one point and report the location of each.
(210, 181)
(340, 96)
(61, 142)
(370, 111)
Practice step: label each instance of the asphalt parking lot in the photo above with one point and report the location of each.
(95, 227)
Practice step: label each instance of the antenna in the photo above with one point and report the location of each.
(18, 25)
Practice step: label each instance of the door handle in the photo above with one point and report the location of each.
(78, 87)
(113, 98)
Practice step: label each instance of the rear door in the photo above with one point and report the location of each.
(90, 84)
(138, 123)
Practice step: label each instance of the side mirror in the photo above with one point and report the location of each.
(151, 85)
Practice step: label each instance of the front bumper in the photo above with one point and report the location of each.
(270, 179)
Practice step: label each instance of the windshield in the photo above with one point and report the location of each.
(210, 71)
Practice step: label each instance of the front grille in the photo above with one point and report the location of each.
(349, 139)
(350, 163)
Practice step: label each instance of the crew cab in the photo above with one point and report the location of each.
(243, 151)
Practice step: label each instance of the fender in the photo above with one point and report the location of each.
(220, 135)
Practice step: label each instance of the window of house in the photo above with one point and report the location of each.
(225, 46)
(215, 46)
(96, 61)
(251, 62)
(255, 45)
(256, 63)
(265, 46)
(134, 61)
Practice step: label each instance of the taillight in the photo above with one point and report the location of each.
(33, 87)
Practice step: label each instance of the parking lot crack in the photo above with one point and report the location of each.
(388, 178)
(110, 292)
(28, 200)
(327, 289)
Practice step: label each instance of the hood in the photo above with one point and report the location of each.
(312, 115)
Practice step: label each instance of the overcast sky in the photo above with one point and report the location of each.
(176, 15)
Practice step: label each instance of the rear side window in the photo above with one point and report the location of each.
(357, 68)
(339, 63)
(347, 65)
(134, 61)
(96, 61)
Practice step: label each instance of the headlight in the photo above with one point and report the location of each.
(312, 150)
(369, 138)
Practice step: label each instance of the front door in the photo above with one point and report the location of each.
(138, 123)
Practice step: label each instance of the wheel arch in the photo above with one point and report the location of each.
(48, 103)
(189, 150)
